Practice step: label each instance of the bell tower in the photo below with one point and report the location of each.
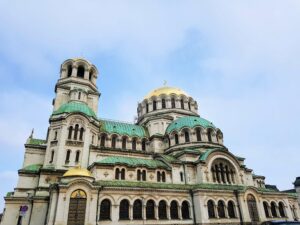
(77, 83)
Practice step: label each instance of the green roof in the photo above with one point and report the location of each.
(187, 151)
(74, 106)
(169, 158)
(34, 141)
(133, 162)
(32, 168)
(190, 122)
(204, 156)
(122, 128)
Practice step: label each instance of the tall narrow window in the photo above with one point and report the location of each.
(198, 134)
(154, 105)
(55, 136)
(77, 156)
(144, 145)
(52, 157)
(266, 208)
(70, 132)
(79, 95)
(162, 210)
(124, 143)
(186, 136)
(113, 141)
(150, 210)
(76, 131)
(173, 103)
(163, 177)
(181, 176)
(69, 70)
(158, 176)
(124, 210)
(117, 174)
(81, 134)
(181, 104)
(144, 175)
(185, 210)
(281, 209)
(174, 210)
(123, 174)
(134, 144)
(68, 156)
(230, 207)
(176, 139)
(102, 141)
(273, 209)
(90, 75)
(139, 175)
(211, 209)
(105, 210)
(80, 72)
(209, 135)
(147, 107)
(221, 209)
(137, 210)
(189, 104)
(163, 103)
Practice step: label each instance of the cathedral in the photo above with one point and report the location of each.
(169, 167)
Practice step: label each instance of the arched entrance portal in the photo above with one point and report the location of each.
(77, 208)
(252, 207)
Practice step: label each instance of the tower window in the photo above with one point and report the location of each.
(158, 176)
(209, 135)
(52, 157)
(163, 103)
(134, 144)
(79, 95)
(176, 139)
(124, 143)
(173, 103)
(187, 136)
(198, 134)
(80, 72)
(77, 156)
(113, 142)
(55, 136)
(76, 131)
(68, 156)
(81, 134)
(144, 145)
(90, 75)
(69, 72)
(182, 104)
(154, 105)
(147, 107)
(163, 177)
(70, 132)
(181, 176)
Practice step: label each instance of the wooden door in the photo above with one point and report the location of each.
(77, 208)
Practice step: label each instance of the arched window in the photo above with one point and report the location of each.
(162, 210)
(230, 207)
(68, 156)
(185, 210)
(266, 209)
(134, 144)
(124, 210)
(223, 171)
(281, 209)
(105, 210)
(209, 135)
(52, 157)
(55, 136)
(80, 72)
(147, 107)
(70, 132)
(163, 176)
(113, 141)
(124, 142)
(77, 156)
(137, 210)
(91, 74)
(174, 210)
(143, 145)
(144, 175)
(173, 103)
(181, 176)
(181, 104)
(76, 131)
(81, 134)
(198, 134)
(221, 209)
(102, 140)
(139, 175)
(158, 176)
(69, 73)
(176, 139)
(150, 214)
(163, 103)
(123, 174)
(117, 174)
(211, 209)
(273, 209)
(79, 95)
(154, 105)
(187, 136)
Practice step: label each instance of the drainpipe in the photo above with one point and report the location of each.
(100, 188)
(236, 193)
(193, 206)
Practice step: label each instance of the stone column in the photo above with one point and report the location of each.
(74, 71)
(130, 212)
(168, 212)
(86, 73)
(179, 212)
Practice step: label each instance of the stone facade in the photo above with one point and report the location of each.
(171, 167)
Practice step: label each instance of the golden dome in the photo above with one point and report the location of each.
(167, 91)
(77, 171)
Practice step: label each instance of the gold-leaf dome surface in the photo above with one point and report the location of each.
(77, 171)
(167, 91)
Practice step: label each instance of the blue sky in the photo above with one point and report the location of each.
(239, 59)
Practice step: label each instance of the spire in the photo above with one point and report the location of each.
(31, 135)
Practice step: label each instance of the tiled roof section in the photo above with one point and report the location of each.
(190, 122)
(187, 151)
(169, 159)
(34, 141)
(74, 106)
(204, 156)
(133, 162)
(32, 168)
(123, 128)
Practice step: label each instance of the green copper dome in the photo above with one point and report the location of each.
(73, 106)
(190, 122)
